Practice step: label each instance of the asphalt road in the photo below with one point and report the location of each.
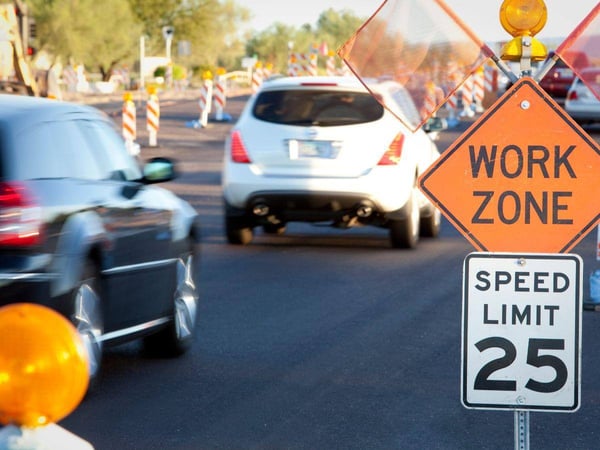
(317, 339)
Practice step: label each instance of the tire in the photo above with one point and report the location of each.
(404, 233)
(238, 232)
(88, 318)
(274, 228)
(430, 226)
(178, 336)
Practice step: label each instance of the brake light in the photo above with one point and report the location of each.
(393, 153)
(238, 149)
(572, 95)
(20, 217)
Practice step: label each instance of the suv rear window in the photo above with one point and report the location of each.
(316, 107)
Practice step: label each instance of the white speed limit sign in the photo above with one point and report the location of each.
(521, 334)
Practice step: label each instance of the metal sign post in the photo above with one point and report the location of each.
(521, 430)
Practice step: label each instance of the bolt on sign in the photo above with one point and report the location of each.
(523, 177)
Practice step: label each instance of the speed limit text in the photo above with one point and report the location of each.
(521, 281)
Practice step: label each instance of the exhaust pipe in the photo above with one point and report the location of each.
(260, 209)
(364, 210)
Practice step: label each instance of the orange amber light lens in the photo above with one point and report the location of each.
(523, 17)
(43, 366)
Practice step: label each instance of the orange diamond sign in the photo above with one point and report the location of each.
(524, 177)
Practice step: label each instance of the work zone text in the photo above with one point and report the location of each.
(528, 164)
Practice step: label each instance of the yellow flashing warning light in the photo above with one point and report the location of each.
(43, 366)
(127, 97)
(523, 19)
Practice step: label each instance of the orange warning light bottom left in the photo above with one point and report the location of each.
(43, 366)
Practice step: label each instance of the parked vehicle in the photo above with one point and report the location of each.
(581, 103)
(558, 80)
(84, 230)
(324, 150)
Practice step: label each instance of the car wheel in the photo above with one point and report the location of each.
(87, 317)
(178, 336)
(404, 233)
(430, 226)
(238, 232)
(274, 228)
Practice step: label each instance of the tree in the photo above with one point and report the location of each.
(273, 44)
(209, 25)
(99, 34)
(336, 28)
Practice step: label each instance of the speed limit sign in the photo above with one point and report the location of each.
(521, 334)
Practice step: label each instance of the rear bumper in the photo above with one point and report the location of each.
(293, 206)
(583, 113)
(388, 188)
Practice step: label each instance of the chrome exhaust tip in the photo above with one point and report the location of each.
(363, 211)
(260, 210)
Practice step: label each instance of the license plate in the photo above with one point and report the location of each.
(312, 149)
(564, 72)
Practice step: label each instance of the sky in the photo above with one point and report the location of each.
(479, 15)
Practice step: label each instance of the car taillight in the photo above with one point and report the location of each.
(393, 153)
(238, 149)
(572, 95)
(20, 217)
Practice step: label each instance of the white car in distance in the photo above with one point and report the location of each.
(581, 103)
(324, 150)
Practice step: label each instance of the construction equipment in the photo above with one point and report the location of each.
(15, 74)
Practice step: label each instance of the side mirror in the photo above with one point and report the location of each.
(159, 170)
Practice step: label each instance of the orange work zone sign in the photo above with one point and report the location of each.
(523, 178)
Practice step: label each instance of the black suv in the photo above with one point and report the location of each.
(83, 231)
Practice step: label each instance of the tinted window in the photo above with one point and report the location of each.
(109, 148)
(54, 150)
(316, 107)
(404, 105)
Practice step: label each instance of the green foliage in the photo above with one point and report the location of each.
(273, 44)
(98, 34)
(106, 34)
(179, 72)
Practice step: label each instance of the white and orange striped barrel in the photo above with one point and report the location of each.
(128, 117)
(291, 70)
(467, 97)
(491, 79)
(312, 64)
(478, 89)
(152, 119)
(220, 97)
(257, 77)
(205, 100)
(429, 102)
(330, 65)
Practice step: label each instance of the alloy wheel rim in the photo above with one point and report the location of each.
(89, 325)
(186, 299)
